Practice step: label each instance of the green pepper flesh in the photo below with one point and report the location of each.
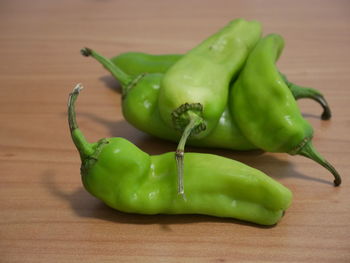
(136, 63)
(266, 99)
(127, 179)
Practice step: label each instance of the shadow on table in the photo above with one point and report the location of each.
(111, 83)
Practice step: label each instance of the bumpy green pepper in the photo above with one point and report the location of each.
(139, 105)
(140, 96)
(265, 110)
(129, 180)
(140, 108)
(194, 90)
(136, 63)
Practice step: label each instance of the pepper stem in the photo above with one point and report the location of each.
(300, 92)
(120, 75)
(310, 93)
(84, 147)
(309, 151)
(194, 122)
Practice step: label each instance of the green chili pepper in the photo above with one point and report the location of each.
(194, 90)
(127, 179)
(140, 108)
(139, 105)
(198, 100)
(265, 110)
(136, 63)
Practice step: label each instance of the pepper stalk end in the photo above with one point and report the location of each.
(300, 92)
(86, 51)
(195, 123)
(84, 147)
(309, 151)
(120, 75)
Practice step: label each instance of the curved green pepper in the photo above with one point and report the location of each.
(136, 63)
(265, 110)
(195, 89)
(140, 108)
(129, 180)
(139, 105)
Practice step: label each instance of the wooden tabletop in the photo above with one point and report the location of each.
(46, 214)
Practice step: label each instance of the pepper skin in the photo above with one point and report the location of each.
(199, 82)
(139, 103)
(136, 63)
(265, 109)
(140, 96)
(140, 108)
(129, 180)
(195, 89)
(201, 77)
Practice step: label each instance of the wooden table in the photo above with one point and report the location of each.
(47, 216)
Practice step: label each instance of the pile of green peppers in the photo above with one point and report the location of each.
(225, 93)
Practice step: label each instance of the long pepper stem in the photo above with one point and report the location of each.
(310, 152)
(195, 120)
(84, 147)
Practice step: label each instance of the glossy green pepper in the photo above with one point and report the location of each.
(140, 108)
(127, 179)
(140, 96)
(194, 90)
(265, 110)
(136, 63)
(139, 105)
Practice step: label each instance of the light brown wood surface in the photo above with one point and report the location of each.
(45, 213)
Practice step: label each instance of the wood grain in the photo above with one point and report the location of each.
(47, 216)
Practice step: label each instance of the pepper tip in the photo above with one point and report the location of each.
(86, 51)
(78, 88)
(337, 182)
(326, 115)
